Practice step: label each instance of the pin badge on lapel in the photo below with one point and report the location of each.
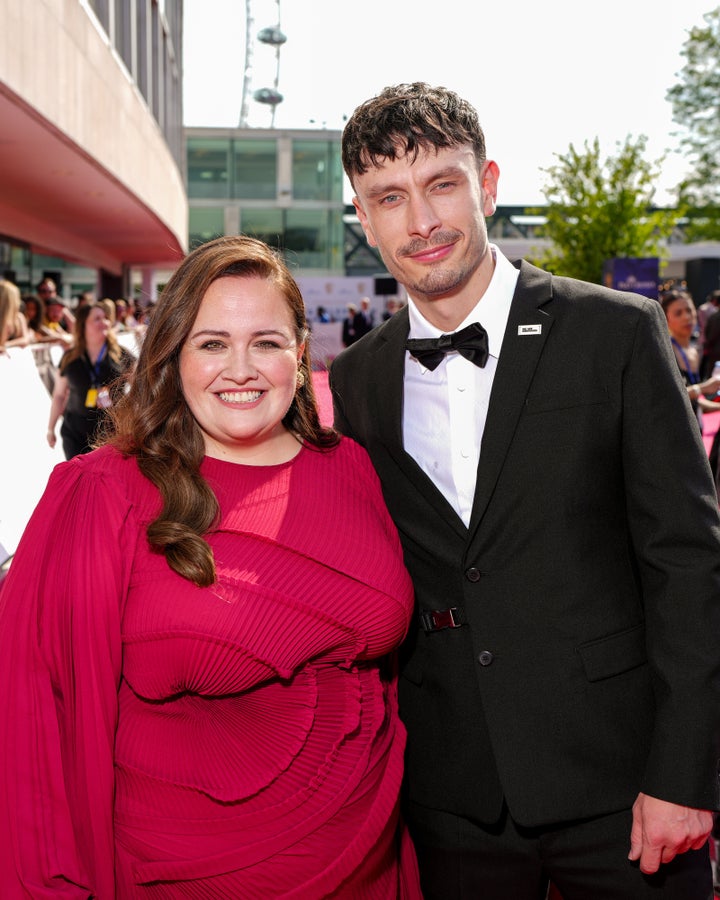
(529, 329)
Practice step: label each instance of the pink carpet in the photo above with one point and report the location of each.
(322, 392)
(711, 423)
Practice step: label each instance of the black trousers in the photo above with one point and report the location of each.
(586, 860)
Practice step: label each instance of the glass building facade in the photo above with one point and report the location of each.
(285, 187)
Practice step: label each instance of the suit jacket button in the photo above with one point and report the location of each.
(485, 658)
(473, 574)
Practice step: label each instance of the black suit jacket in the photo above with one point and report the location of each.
(589, 579)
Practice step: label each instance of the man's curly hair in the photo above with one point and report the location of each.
(404, 119)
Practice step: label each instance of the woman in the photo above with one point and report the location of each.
(35, 315)
(681, 317)
(86, 383)
(14, 331)
(208, 707)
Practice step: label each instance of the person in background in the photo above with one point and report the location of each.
(391, 307)
(14, 331)
(143, 312)
(198, 631)
(47, 289)
(681, 317)
(125, 320)
(710, 336)
(538, 453)
(34, 310)
(364, 318)
(704, 311)
(349, 334)
(87, 382)
(322, 315)
(58, 313)
(110, 310)
(39, 325)
(59, 321)
(41, 334)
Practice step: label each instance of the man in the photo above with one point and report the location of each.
(391, 307)
(84, 298)
(364, 318)
(58, 317)
(560, 686)
(59, 321)
(349, 335)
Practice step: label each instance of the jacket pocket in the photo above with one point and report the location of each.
(614, 653)
(567, 399)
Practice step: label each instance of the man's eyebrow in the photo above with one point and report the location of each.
(389, 187)
(380, 189)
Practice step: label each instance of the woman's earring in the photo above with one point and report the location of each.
(300, 379)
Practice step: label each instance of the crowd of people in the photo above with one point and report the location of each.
(362, 319)
(464, 643)
(77, 351)
(57, 332)
(697, 354)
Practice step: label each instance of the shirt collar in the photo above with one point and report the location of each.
(491, 310)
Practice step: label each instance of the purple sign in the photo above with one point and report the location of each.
(639, 275)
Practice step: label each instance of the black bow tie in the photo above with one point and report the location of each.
(470, 342)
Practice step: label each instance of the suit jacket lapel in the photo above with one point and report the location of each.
(519, 355)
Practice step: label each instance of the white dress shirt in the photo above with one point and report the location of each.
(444, 410)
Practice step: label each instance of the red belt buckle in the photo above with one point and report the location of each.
(437, 619)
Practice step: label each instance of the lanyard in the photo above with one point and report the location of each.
(95, 370)
(693, 377)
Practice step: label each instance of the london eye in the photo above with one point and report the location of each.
(273, 37)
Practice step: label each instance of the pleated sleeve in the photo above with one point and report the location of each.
(60, 666)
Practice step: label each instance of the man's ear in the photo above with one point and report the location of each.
(489, 177)
(369, 236)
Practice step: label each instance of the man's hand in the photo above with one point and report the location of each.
(661, 830)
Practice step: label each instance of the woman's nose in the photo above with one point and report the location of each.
(240, 366)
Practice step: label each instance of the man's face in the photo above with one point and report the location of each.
(427, 218)
(47, 289)
(55, 312)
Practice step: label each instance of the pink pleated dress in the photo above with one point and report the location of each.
(161, 740)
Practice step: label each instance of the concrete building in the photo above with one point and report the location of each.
(92, 185)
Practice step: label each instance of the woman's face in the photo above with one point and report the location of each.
(238, 367)
(681, 317)
(97, 325)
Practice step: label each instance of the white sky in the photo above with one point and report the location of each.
(542, 75)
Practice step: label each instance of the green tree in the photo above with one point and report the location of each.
(695, 102)
(599, 210)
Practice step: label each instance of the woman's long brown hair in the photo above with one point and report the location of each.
(153, 421)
